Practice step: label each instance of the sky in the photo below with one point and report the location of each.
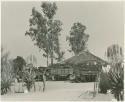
(104, 22)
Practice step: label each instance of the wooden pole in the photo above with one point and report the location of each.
(97, 83)
(44, 79)
(94, 87)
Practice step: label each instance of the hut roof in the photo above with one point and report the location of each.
(84, 57)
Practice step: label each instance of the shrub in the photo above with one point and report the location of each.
(6, 72)
(6, 77)
(104, 84)
(116, 77)
(5, 86)
(28, 80)
(18, 65)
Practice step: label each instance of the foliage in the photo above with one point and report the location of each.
(29, 77)
(78, 38)
(5, 86)
(116, 77)
(19, 64)
(6, 72)
(114, 53)
(49, 9)
(60, 54)
(104, 84)
(44, 30)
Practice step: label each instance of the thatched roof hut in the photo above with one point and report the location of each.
(82, 65)
(85, 57)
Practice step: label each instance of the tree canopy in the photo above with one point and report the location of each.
(78, 38)
(114, 53)
(45, 31)
(19, 64)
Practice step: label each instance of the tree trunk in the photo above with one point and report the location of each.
(44, 82)
(44, 77)
(52, 56)
(47, 60)
(51, 60)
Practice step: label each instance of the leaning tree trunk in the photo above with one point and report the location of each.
(44, 77)
(51, 60)
(52, 56)
(44, 82)
(47, 60)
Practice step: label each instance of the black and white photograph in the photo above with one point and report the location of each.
(62, 50)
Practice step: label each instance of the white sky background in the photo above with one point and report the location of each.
(104, 22)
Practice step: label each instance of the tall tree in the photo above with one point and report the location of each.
(60, 54)
(19, 64)
(114, 53)
(44, 30)
(78, 38)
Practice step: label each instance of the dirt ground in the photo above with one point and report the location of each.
(59, 91)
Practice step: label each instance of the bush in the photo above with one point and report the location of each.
(6, 72)
(5, 86)
(116, 77)
(28, 79)
(6, 80)
(104, 84)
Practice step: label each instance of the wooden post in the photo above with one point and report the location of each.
(97, 85)
(94, 94)
(98, 82)
(44, 80)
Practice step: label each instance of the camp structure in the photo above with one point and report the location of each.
(85, 66)
(60, 71)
